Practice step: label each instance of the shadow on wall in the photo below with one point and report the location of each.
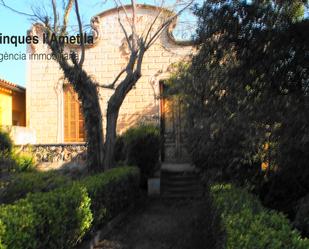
(149, 115)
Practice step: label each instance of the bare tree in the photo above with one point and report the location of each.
(100, 151)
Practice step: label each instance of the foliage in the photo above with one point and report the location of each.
(247, 95)
(6, 144)
(17, 162)
(140, 146)
(23, 161)
(301, 221)
(60, 218)
(10, 159)
(31, 182)
(249, 225)
(111, 192)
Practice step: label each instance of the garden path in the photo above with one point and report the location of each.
(159, 224)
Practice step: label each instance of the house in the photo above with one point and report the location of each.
(53, 109)
(13, 113)
(12, 104)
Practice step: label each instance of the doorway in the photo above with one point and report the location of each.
(173, 128)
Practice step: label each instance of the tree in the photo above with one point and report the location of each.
(246, 86)
(101, 152)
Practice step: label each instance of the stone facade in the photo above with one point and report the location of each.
(104, 60)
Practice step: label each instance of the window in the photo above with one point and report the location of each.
(74, 126)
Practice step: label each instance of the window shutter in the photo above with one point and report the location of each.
(74, 128)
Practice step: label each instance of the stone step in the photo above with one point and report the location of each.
(182, 195)
(183, 184)
(179, 177)
(182, 191)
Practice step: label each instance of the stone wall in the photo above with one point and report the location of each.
(56, 156)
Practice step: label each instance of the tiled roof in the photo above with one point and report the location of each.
(11, 85)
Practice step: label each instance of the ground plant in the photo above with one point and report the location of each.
(249, 225)
(60, 218)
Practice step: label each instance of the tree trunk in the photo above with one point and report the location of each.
(111, 126)
(89, 97)
(94, 133)
(113, 107)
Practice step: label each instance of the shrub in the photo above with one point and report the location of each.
(60, 218)
(141, 147)
(23, 162)
(249, 225)
(113, 191)
(301, 221)
(10, 159)
(120, 154)
(6, 146)
(6, 143)
(31, 182)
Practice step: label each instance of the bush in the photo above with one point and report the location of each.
(140, 146)
(6, 146)
(31, 182)
(249, 225)
(113, 191)
(23, 162)
(6, 143)
(10, 159)
(301, 221)
(60, 218)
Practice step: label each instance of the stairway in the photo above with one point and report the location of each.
(180, 184)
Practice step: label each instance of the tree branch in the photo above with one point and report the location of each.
(124, 10)
(82, 43)
(153, 23)
(165, 25)
(124, 31)
(133, 26)
(112, 85)
(66, 16)
(55, 15)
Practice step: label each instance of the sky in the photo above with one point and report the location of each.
(14, 24)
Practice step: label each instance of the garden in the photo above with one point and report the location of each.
(245, 92)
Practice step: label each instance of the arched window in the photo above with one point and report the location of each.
(74, 126)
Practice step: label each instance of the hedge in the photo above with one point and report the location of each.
(32, 182)
(62, 217)
(249, 225)
(113, 191)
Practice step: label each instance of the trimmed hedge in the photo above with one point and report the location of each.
(61, 218)
(58, 219)
(113, 191)
(249, 225)
(32, 182)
